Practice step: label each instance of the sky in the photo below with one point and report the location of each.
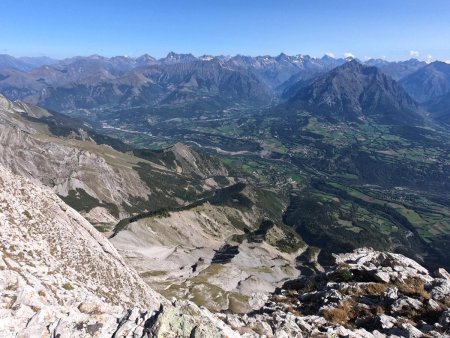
(391, 29)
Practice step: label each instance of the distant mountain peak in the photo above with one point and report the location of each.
(328, 57)
(96, 57)
(207, 57)
(354, 91)
(145, 59)
(428, 82)
(282, 57)
(175, 57)
(352, 63)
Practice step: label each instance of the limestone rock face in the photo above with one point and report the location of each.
(70, 166)
(350, 299)
(67, 163)
(59, 277)
(384, 266)
(442, 273)
(52, 259)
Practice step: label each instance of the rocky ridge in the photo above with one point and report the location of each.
(65, 164)
(74, 164)
(59, 277)
(366, 294)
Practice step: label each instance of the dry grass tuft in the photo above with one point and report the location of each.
(413, 287)
(341, 314)
(377, 309)
(376, 289)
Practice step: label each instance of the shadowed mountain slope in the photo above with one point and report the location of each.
(353, 92)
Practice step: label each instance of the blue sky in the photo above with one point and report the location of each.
(395, 29)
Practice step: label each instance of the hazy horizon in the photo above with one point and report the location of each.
(391, 30)
(425, 59)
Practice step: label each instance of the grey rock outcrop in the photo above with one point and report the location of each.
(383, 266)
(351, 300)
(59, 277)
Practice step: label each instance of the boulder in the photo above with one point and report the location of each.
(411, 331)
(440, 290)
(258, 300)
(386, 322)
(444, 320)
(442, 273)
(383, 264)
(406, 303)
(391, 294)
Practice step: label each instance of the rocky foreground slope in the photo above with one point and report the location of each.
(365, 294)
(59, 277)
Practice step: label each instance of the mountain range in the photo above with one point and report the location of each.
(24, 63)
(95, 84)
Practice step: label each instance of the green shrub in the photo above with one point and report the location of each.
(67, 286)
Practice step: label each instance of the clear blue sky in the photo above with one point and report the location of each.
(394, 29)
